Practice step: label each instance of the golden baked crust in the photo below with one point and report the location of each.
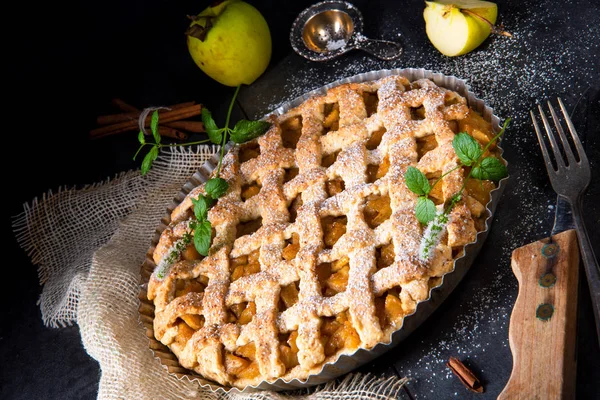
(315, 249)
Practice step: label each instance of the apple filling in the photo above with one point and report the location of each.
(244, 265)
(294, 207)
(288, 296)
(337, 333)
(329, 159)
(248, 151)
(333, 229)
(335, 186)
(290, 173)
(375, 139)
(476, 126)
(188, 324)
(248, 227)
(292, 247)
(249, 191)
(417, 113)
(291, 130)
(425, 144)
(385, 256)
(333, 277)
(375, 172)
(190, 253)
(389, 310)
(332, 117)
(478, 197)
(242, 363)
(377, 210)
(371, 101)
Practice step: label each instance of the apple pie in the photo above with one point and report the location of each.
(315, 246)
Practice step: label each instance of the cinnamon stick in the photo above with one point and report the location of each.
(124, 106)
(164, 117)
(114, 118)
(133, 113)
(182, 105)
(466, 376)
(169, 132)
(190, 126)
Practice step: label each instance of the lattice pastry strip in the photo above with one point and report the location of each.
(316, 243)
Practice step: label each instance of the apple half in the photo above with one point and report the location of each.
(456, 27)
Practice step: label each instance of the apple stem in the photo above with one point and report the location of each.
(498, 30)
(199, 31)
(226, 128)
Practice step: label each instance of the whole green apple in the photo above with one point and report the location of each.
(231, 42)
(456, 27)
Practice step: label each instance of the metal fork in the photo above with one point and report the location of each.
(569, 180)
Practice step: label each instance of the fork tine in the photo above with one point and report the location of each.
(574, 135)
(543, 146)
(563, 137)
(555, 149)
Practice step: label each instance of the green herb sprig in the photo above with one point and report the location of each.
(156, 145)
(200, 230)
(242, 132)
(470, 154)
(174, 253)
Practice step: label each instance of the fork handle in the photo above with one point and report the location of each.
(590, 263)
(543, 323)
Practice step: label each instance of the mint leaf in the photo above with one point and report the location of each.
(149, 159)
(214, 133)
(466, 148)
(154, 126)
(245, 130)
(416, 181)
(491, 169)
(425, 210)
(141, 138)
(203, 237)
(216, 187)
(201, 206)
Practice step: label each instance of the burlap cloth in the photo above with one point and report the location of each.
(89, 244)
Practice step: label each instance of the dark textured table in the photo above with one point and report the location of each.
(68, 61)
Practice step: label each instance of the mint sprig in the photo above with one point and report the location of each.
(490, 168)
(246, 130)
(214, 133)
(425, 210)
(156, 145)
(416, 181)
(202, 237)
(470, 154)
(216, 187)
(243, 131)
(466, 148)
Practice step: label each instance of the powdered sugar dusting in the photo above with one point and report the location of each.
(336, 44)
(549, 55)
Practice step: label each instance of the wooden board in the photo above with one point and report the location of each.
(542, 328)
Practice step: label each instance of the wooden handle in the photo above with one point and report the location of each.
(543, 322)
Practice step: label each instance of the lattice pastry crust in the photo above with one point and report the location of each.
(315, 248)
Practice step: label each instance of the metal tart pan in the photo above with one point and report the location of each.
(345, 363)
